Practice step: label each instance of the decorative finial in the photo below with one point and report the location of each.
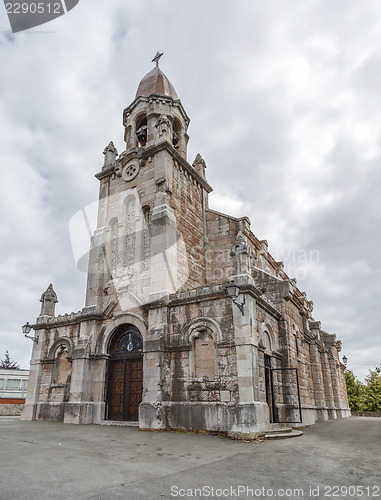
(156, 59)
(49, 301)
(199, 165)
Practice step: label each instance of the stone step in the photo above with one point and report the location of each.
(278, 428)
(283, 433)
(120, 423)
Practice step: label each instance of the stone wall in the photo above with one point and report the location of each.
(188, 324)
(9, 410)
(187, 203)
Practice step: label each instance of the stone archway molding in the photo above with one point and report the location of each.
(61, 341)
(267, 331)
(192, 331)
(189, 330)
(120, 319)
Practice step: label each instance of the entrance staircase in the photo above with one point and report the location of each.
(276, 431)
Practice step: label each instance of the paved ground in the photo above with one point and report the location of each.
(49, 460)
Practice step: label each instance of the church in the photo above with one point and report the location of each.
(189, 322)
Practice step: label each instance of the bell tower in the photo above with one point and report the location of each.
(156, 114)
(150, 238)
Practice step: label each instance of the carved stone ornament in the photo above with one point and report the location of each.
(123, 277)
(240, 246)
(199, 160)
(61, 349)
(242, 254)
(131, 170)
(199, 165)
(110, 153)
(49, 295)
(163, 125)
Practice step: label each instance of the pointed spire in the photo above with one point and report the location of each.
(49, 300)
(199, 165)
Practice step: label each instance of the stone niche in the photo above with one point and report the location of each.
(204, 356)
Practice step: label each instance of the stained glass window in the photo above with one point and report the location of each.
(129, 342)
(126, 340)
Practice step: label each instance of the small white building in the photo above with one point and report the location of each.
(13, 384)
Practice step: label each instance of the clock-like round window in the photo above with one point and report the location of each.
(130, 171)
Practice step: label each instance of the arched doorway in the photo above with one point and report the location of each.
(125, 374)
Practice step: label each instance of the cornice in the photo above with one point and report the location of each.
(149, 151)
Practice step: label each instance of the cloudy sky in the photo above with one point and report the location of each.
(284, 100)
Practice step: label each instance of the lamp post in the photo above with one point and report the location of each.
(232, 291)
(26, 329)
(345, 360)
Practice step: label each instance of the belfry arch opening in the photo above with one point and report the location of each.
(141, 130)
(124, 374)
(176, 133)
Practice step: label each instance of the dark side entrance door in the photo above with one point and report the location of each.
(125, 374)
(269, 387)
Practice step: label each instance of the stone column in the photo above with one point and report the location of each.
(29, 411)
(316, 368)
(328, 391)
(98, 367)
(335, 384)
(79, 410)
(152, 411)
(251, 414)
(316, 378)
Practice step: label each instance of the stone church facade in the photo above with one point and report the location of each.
(160, 341)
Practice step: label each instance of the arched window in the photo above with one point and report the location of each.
(176, 133)
(267, 340)
(141, 131)
(127, 340)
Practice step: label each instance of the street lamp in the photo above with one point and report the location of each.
(232, 291)
(26, 329)
(345, 359)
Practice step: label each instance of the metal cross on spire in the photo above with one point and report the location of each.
(156, 59)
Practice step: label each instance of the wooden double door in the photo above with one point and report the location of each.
(125, 376)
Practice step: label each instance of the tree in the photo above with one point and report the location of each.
(371, 397)
(8, 364)
(355, 390)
